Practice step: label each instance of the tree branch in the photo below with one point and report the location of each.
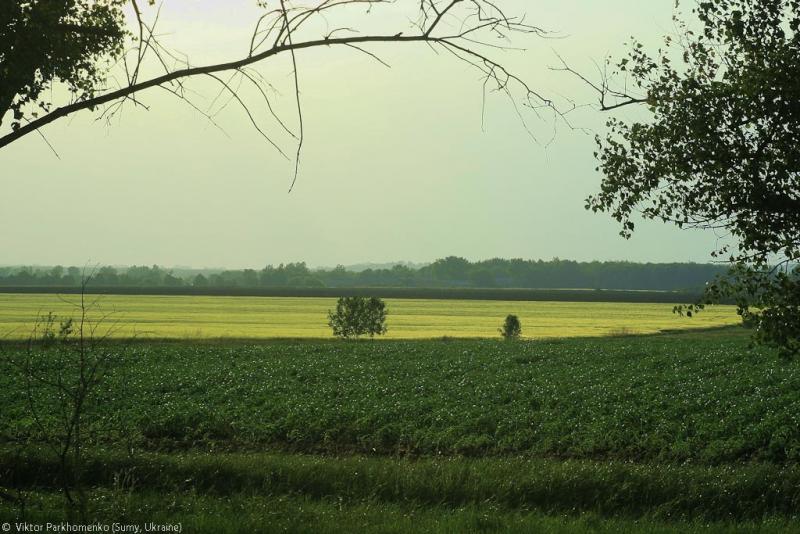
(96, 101)
(279, 29)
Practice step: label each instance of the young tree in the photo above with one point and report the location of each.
(512, 328)
(375, 317)
(358, 316)
(63, 368)
(720, 150)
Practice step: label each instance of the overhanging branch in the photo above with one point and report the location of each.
(123, 92)
(452, 25)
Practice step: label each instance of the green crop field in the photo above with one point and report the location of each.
(699, 398)
(581, 427)
(682, 432)
(191, 317)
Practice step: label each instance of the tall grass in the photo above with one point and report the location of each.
(607, 489)
(201, 514)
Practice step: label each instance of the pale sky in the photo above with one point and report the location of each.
(395, 165)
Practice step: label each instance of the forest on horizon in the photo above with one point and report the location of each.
(449, 272)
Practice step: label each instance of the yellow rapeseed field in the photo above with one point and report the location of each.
(187, 317)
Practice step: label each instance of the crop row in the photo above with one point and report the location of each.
(683, 398)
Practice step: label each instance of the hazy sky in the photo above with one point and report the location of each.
(395, 166)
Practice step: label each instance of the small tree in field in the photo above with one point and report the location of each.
(512, 328)
(358, 316)
(63, 370)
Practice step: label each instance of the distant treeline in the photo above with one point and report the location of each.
(447, 293)
(450, 272)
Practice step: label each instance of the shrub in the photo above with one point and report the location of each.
(512, 328)
(358, 316)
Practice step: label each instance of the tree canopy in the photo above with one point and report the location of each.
(719, 151)
(70, 41)
(358, 316)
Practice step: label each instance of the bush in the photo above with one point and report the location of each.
(358, 316)
(512, 328)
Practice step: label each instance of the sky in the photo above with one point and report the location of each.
(396, 163)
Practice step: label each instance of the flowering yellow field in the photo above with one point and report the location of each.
(270, 317)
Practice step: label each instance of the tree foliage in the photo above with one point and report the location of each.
(720, 150)
(42, 42)
(512, 328)
(358, 316)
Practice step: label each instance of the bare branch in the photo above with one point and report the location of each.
(297, 97)
(621, 97)
(460, 27)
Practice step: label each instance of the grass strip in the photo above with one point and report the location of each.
(609, 489)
